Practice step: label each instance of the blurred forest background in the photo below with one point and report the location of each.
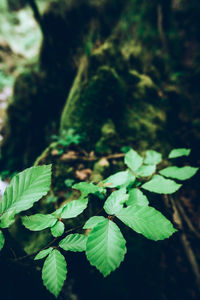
(81, 82)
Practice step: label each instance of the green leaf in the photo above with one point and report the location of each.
(58, 229)
(26, 188)
(51, 199)
(73, 208)
(133, 160)
(147, 221)
(160, 185)
(179, 152)
(145, 171)
(87, 188)
(105, 247)
(7, 219)
(179, 173)
(93, 221)
(2, 240)
(115, 201)
(136, 197)
(43, 253)
(54, 272)
(74, 242)
(120, 179)
(153, 157)
(38, 222)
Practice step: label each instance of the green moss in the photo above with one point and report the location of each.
(91, 102)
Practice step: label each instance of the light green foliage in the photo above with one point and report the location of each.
(120, 179)
(69, 182)
(38, 222)
(2, 240)
(133, 160)
(153, 157)
(115, 201)
(74, 242)
(106, 247)
(51, 199)
(179, 173)
(160, 185)
(145, 171)
(58, 229)
(136, 197)
(179, 152)
(25, 189)
(7, 219)
(87, 188)
(54, 272)
(43, 253)
(73, 208)
(93, 221)
(147, 221)
(68, 137)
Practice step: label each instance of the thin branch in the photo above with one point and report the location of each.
(93, 158)
(186, 244)
(186, 219)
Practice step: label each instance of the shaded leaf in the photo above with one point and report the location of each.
(74, 242)
(147, 221)
(2, 240)
(160, 185)
(105, 247)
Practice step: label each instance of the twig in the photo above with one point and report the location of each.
(186, 244)
(93, 158)
(186, 219)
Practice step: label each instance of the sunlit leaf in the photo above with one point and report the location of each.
(136, 197)
(115, 201)
(74, 242)
(153, 157)
(58, 229)
(87, 188)
(26, 188)
(179, 173)
(179, 152)
(39, 221)
(93, 221)
(160, 185)
(105, 247)
(133, 160)
(54, 272)
(147, 221)
(43, 253)
(120, 179)
(145, 171)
